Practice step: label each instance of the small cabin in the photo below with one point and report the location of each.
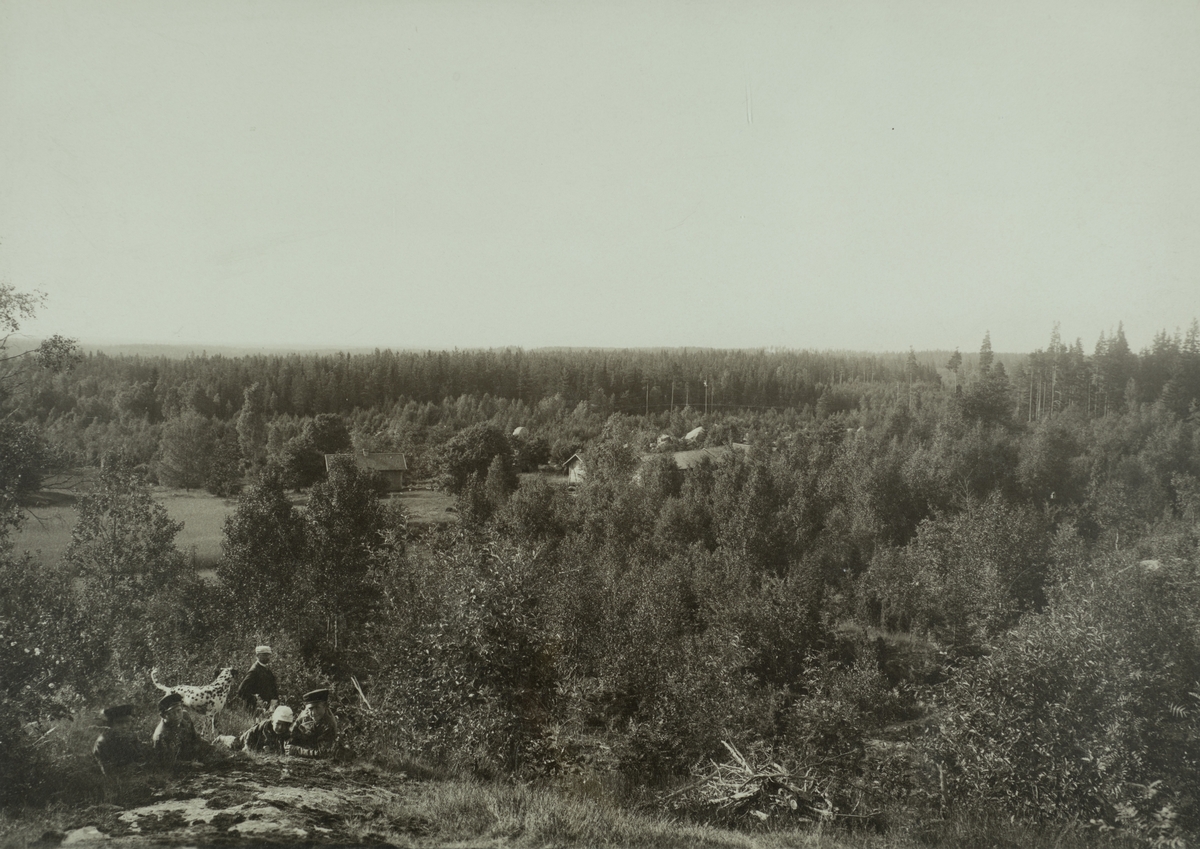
(392, 466)
(575, 470)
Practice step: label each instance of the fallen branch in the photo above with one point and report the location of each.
(354, 681)
(741, 788)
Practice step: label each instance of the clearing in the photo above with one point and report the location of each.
(48, 526)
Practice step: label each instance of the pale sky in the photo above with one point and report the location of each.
(805, 174)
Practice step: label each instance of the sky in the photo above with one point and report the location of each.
(810, 174)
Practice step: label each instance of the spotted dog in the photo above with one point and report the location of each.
(208, 700)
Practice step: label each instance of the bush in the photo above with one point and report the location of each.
(966, 577)
(473, 685)
(45, 655)
(1087, 711)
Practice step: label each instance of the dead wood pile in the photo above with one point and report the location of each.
(748, 788)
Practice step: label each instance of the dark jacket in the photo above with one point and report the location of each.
(178, 740)
(117, 747)
(313, 738)
(260, 682)
(262, 738)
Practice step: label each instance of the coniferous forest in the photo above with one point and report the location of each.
(930, 585)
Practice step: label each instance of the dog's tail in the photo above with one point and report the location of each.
(154, 679)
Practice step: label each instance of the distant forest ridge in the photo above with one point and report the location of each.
(934, 357)
(157, 386)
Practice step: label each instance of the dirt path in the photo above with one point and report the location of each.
(255, 801)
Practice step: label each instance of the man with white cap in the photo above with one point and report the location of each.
(259, 684)
(270, 735)
(314, 734)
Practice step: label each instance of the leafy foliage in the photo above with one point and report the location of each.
(1080, 709)
(966, 576)
(123, 552)
(471, 453)
(345, 532)
(186, 446)
(263, 547)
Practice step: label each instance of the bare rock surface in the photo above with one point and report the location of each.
(257, 801)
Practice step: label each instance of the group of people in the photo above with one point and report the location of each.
(312, 734)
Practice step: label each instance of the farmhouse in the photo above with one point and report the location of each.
(391, 466)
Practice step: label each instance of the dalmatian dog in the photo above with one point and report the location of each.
(208, 700)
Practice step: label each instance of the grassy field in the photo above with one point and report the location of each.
(47, 531)
(426, 506)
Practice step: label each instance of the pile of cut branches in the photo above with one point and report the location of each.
(744, 787)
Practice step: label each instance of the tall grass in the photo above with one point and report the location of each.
(528, 816)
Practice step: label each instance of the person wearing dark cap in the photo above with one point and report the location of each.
(259, 683)
(175, 738)
(117, 746)
(315, 732)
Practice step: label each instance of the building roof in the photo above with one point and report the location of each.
(716, 455)
(694, 433)
(384, 461)
(380, 461)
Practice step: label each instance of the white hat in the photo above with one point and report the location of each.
(262, 650)
(283, 713)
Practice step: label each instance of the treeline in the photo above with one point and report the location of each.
(104, 388)
(205, 421)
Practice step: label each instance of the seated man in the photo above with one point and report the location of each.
(270, 735)
(259, 686)
(117, 746)
(314, 734)
(176, 737)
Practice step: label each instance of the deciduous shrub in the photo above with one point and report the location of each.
(966, 577)
(473, 685)
(1081, 711)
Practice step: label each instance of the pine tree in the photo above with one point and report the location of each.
(252, 425)
(986, 357)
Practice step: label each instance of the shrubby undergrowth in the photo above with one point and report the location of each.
(905, 600)
(1090, 710)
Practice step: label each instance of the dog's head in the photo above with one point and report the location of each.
(224, 676)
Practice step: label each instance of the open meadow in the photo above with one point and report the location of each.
(47, 531)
